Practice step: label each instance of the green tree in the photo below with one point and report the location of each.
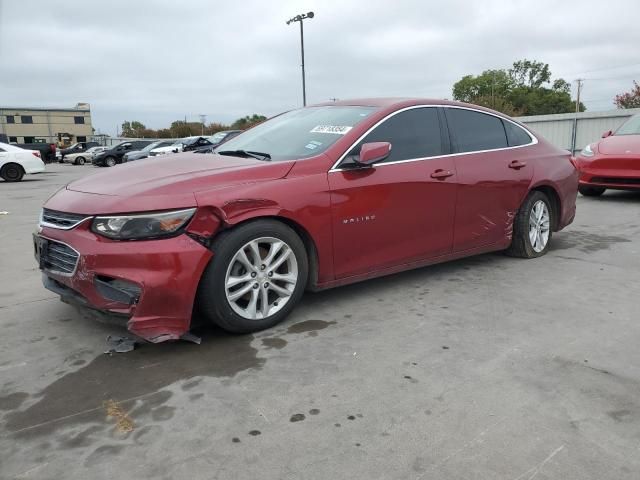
(132, 129)
(629, 99)
(524, 89)
(248, 121)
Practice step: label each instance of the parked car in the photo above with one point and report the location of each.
(218, 139)
(16, 161)
(175, 147)
(613, 162)
(311, 199)
(144, 153)
(47, 150)
(79, 147)
(81, 158)
(113, 156)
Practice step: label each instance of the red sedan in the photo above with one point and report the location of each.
(613, 162)
(311, 199)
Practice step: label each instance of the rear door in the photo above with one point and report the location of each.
(493, 175)
(400, 210)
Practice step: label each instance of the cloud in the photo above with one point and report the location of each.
(159, 61)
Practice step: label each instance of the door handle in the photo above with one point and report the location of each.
(517, 164)
(441, 174)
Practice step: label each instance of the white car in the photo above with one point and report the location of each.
(176, 147)
(15, 162)
(80, 158)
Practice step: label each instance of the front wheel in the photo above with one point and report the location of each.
(256, 277)
(110, 161)
(80, 161)
(12, 172)
(591, 191)
(532, 227)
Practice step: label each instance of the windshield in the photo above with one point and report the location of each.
(218, 137)
(299, 133)
(180, 141)
(151, 146)
(630, 127)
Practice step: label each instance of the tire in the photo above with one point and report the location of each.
(79, 161)
(213, 297)
(12, 172)
(110, 161)
(521, 242)
(591, 191)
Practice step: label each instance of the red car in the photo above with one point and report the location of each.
(311, 199)
(613, 162)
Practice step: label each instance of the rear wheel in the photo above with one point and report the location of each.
(110, 161)
(80, 161)
(532, 227)
(12, 172)
(591, 191)
(256, 277)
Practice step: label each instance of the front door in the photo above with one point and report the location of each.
(401, 209)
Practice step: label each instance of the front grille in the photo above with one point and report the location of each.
(614, 180)
(62, 220)
(58, 257)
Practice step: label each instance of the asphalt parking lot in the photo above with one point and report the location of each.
(484, 368)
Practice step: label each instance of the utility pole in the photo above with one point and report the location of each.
(574, 135)
(203, 118)
(300, 18)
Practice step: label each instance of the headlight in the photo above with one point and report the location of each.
(142, 226)
(587, 151)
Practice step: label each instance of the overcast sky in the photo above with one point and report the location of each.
(159, 61)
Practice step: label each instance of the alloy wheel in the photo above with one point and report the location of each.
(261, 278)
(539, 225)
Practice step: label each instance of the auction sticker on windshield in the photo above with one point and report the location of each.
(337, 129)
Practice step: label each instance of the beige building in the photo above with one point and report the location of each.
(62, 126)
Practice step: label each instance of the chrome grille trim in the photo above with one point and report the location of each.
(61, 220)
(60, 258)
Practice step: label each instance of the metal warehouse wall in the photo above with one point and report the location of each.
(558, 128)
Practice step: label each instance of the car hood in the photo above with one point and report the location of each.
(166, 183)
(620, 145)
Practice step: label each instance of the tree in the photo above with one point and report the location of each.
(629, 99)
(248, 121)
(521, 90)
(132, 129)
(526, 73)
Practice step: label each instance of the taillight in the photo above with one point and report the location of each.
(53, 147)
(37, 154)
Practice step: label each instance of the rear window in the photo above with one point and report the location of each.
(516, 135)
(473, 131)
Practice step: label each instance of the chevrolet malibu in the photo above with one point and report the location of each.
(613, 162)
(311, 199)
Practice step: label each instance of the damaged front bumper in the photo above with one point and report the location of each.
(149, 285)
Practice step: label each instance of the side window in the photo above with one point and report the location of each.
(473, 131)
(516, 135)
(413, 133)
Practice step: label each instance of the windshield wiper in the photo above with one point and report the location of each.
(247, 154)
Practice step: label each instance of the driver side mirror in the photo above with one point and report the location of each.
(606, 134)
(373, 152)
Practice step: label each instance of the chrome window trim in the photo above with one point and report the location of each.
(42, 223)
(334, 168)
(57, 272)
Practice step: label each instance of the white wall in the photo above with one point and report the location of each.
(558, 128)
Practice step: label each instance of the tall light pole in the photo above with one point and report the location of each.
(300, 18)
